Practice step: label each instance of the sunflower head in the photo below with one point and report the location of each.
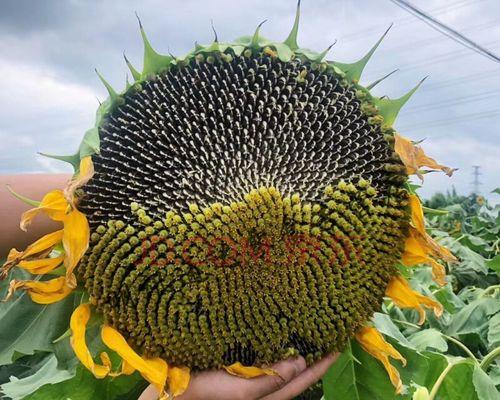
(246, 203)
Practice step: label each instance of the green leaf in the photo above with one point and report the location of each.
(153, 61)
(26, 327)
(494, 374)
(284, 52)
(23, 367)
(473, 318)
(450, 301)
(291, 40)
(73, 159)
(484, 386)
(47, 373)
(354, 70)
(494, 263)
(422, 368)
(84, 386)
(428, 339)
(254, 43)
(348, 379)
(458, 384)
(18, 196)
(135, 74)
(385, 325)
(389, 108)
(112, 93)
(494, 331)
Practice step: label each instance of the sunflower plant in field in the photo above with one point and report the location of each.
(243, 204)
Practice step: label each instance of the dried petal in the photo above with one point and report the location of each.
(242, 371)
(41, 292)
(413, 157)
(373, 343)
(405, 297)
(41, 266)
(84, 175)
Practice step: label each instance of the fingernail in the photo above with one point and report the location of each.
(299, 364)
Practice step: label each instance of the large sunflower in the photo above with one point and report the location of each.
(242, 204)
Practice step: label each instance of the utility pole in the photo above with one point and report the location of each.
(475, 183)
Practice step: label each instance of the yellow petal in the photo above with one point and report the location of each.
(420, 247)
(127, 369)
(41, 292)
(41, 266)
(84, 175)
(44, 244)
(242, 371)
(373, 343)
(417, 213)
(405, 297)
(416, 252)
(78, 325)
(14, 255)
(53, 204)
(178, 380)
(413, 157)
(75, 242)
(154, 370)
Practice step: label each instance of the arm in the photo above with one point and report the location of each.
(33, 186)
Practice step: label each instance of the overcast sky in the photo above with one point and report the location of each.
(49, 49)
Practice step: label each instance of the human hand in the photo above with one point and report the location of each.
(294, 377)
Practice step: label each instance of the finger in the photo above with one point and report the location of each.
(307, 378)
(149, 394)
(287, 370)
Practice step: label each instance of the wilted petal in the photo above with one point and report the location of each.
(373, 343)
(405, 297)
(84, 175)
(41, 266)
(413, 157)
(78, 325)
(42, 245)
(75, 242)
(242, 371)
(178, 380)
(417, 252)
(418, 222)
(53, 204)
(154, 370)
(41, 292)
(420, 247)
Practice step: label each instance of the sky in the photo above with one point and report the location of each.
(49, 50)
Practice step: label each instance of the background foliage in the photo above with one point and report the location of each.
(455, 357)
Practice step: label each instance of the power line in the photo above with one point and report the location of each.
(463, 79)
(453, 102)
(446, 30)
(450, 121)
(359, 34)
(435, 39)
(443, 57)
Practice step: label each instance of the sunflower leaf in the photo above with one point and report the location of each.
(46, 373)
(84, 386)
(347, 379)
(26, 327)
